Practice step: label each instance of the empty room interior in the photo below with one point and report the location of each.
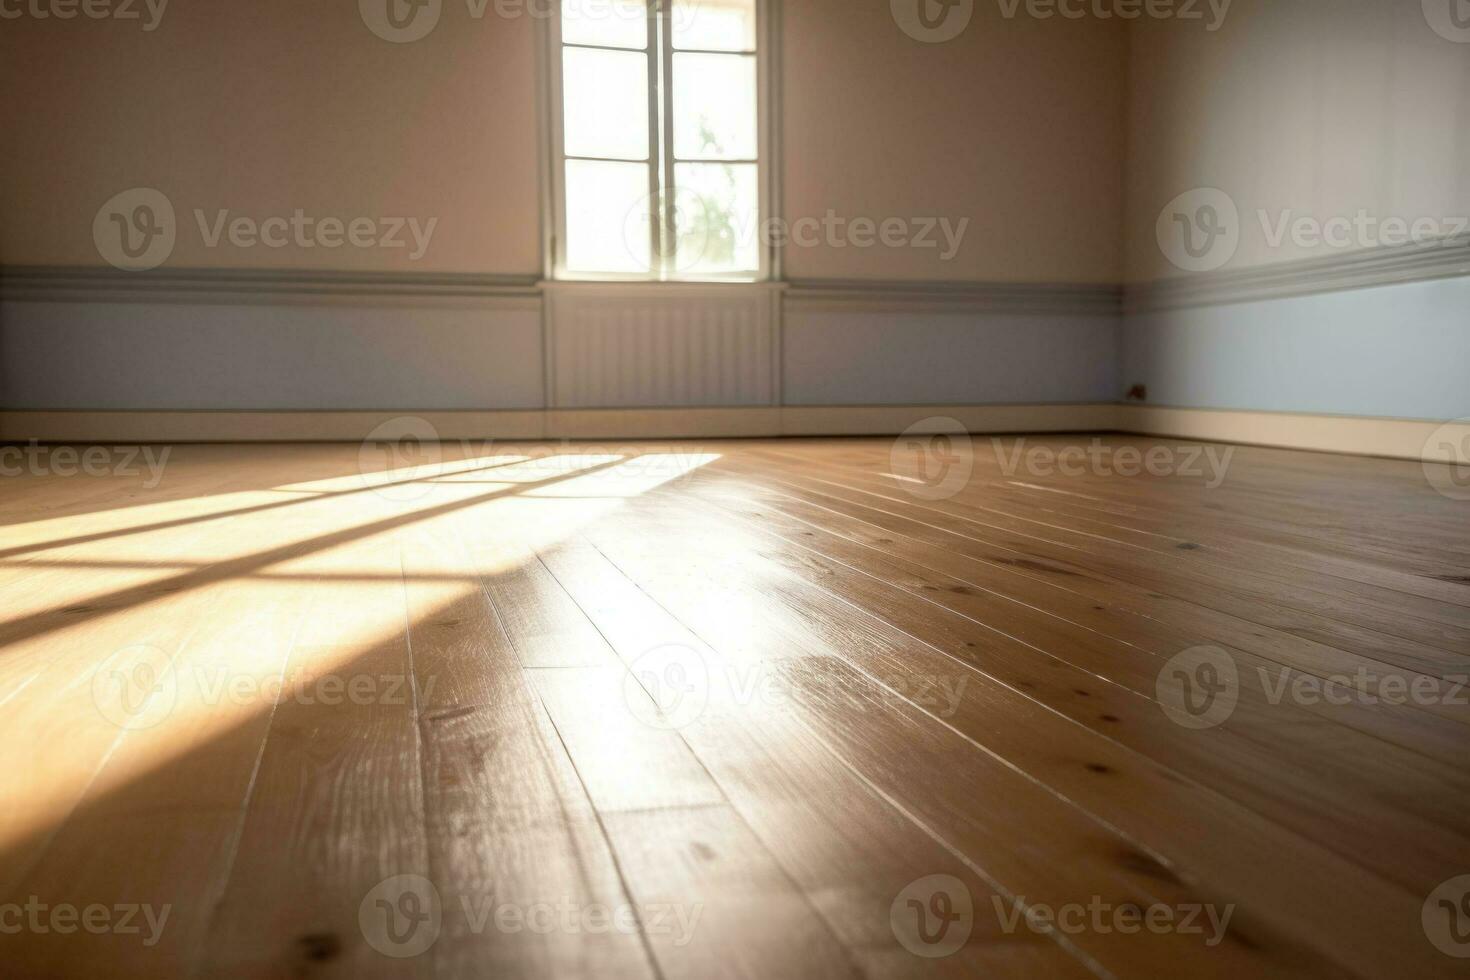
(760, 489)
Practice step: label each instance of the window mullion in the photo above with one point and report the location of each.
(655, 137)
(666, 137)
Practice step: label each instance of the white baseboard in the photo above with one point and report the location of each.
(1350, 434)
(857, 420)
(654, 423)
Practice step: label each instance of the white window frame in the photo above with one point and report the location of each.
(661, 149)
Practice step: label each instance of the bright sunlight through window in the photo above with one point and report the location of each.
(658, 143)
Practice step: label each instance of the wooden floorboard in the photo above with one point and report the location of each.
(734, 709)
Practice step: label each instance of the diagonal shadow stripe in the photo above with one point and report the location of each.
(40, 623)
(239, 511)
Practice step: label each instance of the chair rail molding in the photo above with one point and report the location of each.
(1384, 265)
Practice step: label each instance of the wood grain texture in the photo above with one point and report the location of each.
(735, 709)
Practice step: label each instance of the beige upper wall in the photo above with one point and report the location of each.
(266, 106)
(1323, 107)
(1014, 124)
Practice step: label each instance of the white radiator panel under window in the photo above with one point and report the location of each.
(666, 345)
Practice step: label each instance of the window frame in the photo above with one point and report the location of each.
(662, 159)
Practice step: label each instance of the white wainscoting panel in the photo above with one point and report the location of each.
(1395, 350)
(893, 357)
(246, 354)
(625, 345)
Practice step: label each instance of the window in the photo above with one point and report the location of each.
(657, 140)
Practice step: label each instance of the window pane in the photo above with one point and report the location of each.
(610, 23)
(714, 107)
(605, 99)
(608, 220)
(714, 25)
(717, 218)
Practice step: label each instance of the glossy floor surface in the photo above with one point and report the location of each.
(1052, 707)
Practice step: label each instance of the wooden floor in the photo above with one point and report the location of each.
(759, 709)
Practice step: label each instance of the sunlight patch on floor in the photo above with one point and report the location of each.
(144, 679)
